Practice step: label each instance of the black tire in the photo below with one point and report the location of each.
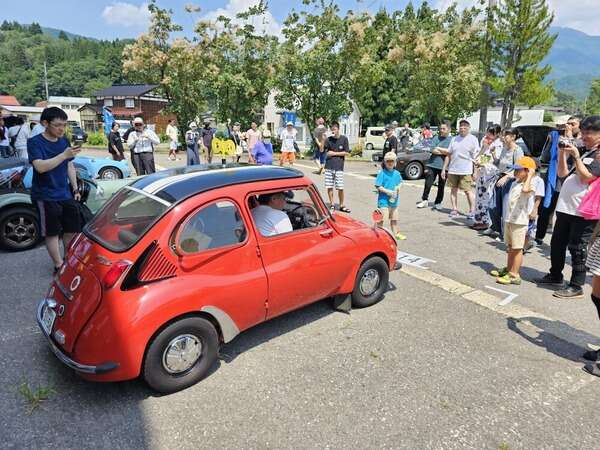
(413, 170)
(110, 173)
(369, 146)
(154, 370)
(19, 229)
(361, 299)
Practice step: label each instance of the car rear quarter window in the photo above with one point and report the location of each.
(216, 225)
(125, 219)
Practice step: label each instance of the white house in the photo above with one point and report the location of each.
(522, 116)
(273, 119)
(70, 105)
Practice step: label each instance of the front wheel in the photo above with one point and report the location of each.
(110, 173)
(413, 170)
(371, 282)
(181, 355)
(370, 146)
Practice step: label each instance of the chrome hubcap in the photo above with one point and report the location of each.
(109, 175)
(369, 282)
(182, 353)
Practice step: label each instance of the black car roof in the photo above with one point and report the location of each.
(177, 184)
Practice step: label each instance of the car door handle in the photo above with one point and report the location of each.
(326, 233)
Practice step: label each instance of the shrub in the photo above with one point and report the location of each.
(97, 138)
(356, 150)
(163, 138)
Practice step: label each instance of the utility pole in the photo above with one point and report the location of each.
(486, 88)
(46, 80)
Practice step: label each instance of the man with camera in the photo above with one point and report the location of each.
(571, 230)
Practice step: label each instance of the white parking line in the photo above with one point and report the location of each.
(511, 295)
(413, 260)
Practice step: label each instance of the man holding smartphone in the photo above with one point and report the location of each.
(571, 230)
(54, 187)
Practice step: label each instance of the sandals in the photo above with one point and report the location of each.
(344, 209)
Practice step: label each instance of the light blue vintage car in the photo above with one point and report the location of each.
(103, 168)
(19, 221)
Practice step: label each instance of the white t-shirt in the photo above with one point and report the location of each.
(37, 129)
(287, 140)
(462, 151)
(539, 190)
(22, 134)
(271, 221)
(517, 205)
(571, 194)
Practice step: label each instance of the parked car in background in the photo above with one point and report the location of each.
(78, 134)
(19, 220)
(411, 163)
(174, 265)
(103, 168)
(374, 138)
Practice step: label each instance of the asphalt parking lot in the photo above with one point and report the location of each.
(431, 366)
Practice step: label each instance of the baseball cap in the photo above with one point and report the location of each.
(524, 163)
(289, 124)
(138, 120)
(390, 156)
(389, 127)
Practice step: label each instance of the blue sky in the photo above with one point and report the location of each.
(110, 19)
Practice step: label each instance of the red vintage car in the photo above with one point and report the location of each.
(175, 265)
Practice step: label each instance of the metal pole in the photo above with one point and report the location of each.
(486, 88)
(46, 80)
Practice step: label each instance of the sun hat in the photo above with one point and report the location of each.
(524, 163)
(390, 156)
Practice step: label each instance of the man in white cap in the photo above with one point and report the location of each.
(141, 142)
(192, 138)
(288, 144)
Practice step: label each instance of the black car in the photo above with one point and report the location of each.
(79, 135)
(411, 162)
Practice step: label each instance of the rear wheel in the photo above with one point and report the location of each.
(181, 355)
(413, 170)
(110, 173)
(369, 146)
(371, 282)
(19, 229)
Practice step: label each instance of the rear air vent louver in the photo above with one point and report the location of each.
(156, 267)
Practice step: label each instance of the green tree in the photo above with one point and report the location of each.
(520, 41)
(62, 35)
(593, 100)
(316, 61)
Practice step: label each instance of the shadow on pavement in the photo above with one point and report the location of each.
(552, 337)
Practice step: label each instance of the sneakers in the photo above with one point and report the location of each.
(454, 214)
(471, 216)
(422, 204)
(499, 272)
(400, 237)
(488, 232)
(508, 279)
(549, 280)
(438, 207)
(591, 355)
(569, 292)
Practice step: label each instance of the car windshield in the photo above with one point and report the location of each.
(125, 218)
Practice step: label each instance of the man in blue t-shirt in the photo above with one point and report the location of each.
(387, 185)
(54, 187)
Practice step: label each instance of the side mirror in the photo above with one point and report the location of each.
(377, 217)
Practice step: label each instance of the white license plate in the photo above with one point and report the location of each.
(48, 317)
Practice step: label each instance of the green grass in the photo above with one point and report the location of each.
(34, 397)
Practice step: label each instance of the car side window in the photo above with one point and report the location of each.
(216, 225)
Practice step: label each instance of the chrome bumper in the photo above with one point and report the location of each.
(102, 368)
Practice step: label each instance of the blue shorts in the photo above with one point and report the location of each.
(320, 156)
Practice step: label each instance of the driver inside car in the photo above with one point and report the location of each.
(269, 216)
